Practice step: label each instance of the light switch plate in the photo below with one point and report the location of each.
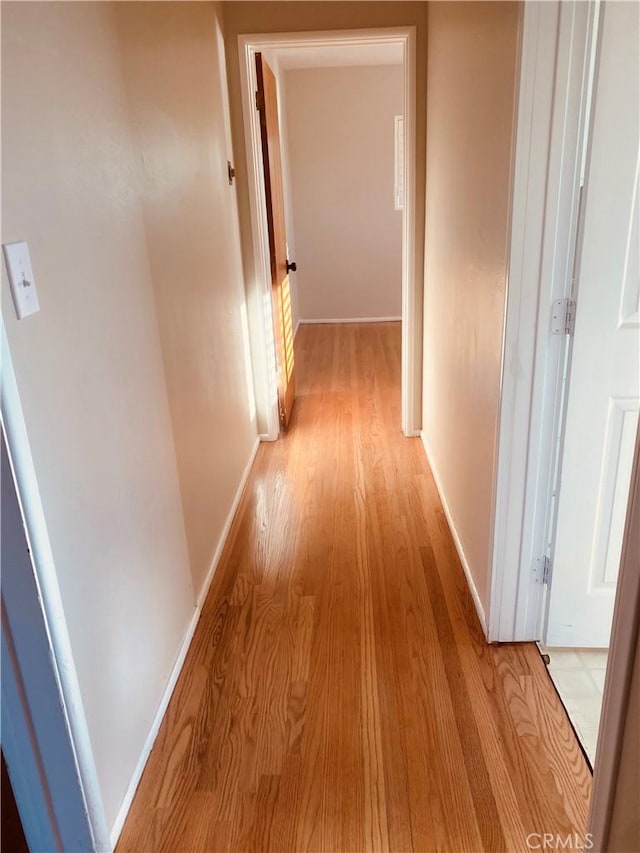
(23, 286)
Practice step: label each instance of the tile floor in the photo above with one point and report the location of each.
(578, 675)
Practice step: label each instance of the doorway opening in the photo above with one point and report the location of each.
(563, 487)
(602, 396)
(324, 213)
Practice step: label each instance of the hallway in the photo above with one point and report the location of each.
(338, 694)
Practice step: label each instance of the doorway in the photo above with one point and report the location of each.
(602, 397)
(563, 486)
(288, 52)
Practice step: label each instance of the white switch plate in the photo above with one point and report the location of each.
(23, 286)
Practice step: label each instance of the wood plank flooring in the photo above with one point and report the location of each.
(338, 694)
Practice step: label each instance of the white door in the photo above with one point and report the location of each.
(603, 395)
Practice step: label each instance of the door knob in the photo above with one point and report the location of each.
(292, 267)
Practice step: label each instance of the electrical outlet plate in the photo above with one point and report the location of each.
(23, 286)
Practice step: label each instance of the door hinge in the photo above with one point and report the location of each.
(259, 101)
(542, 570)
(281, 412)
(563, 317)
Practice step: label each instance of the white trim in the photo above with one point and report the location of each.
(398, 163)
(296, 330)
(546, 189)
(351, 320)
(28, 493)
(411, 363)
(535, 106)
(123, 811)
(227, 525)
(127, 800)
(475, 595)
(248, 46)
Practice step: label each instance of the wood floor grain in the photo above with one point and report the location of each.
(338, 694)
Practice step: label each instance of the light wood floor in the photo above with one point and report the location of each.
(338, 694)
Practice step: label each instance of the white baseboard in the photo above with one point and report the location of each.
(182, 653)
(456, 539)
(295, 331)
(353, 320)
(227, 525)
(123, 811)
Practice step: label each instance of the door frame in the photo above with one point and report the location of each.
(248, 46)
(559, 42)
(49, 757)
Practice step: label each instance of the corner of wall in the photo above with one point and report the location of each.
(475, 595)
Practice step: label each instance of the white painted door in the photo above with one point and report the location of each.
(603, 395)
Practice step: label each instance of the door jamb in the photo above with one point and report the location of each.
(248, 46)
(557, 53)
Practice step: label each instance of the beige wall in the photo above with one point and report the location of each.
(278, 17)
(340, 129)
(173, 61)
(115, 218)
(472, 51)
